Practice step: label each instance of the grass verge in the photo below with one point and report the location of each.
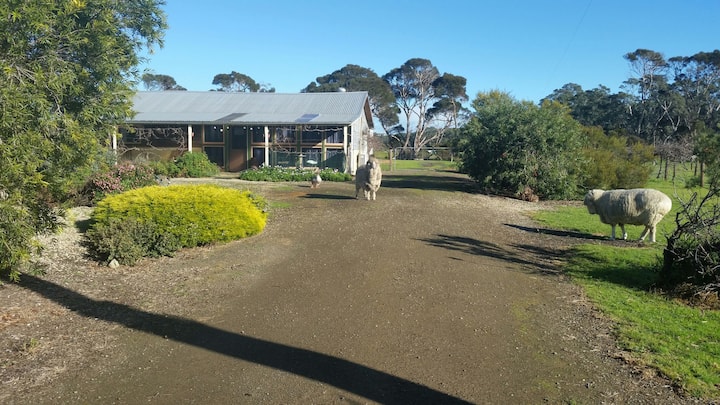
(681, 342)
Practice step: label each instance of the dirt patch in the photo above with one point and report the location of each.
(430, 294)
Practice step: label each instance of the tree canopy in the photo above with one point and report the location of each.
(425, 98)
(239, 82)
(158, 82)
(357, 78)
(66, 75)
(513, 146)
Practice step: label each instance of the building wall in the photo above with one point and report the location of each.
(240, 147)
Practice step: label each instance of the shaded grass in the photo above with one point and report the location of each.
(681, 342)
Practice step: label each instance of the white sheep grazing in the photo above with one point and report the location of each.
(368, 179)
(640, 206)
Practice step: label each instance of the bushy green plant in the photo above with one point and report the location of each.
(128, 240)
(616, 162)
(119, 178)
(152, 221)
(165, 168)
(19, 228)
(195, 165)
(334, 175)
(278, 174)
(512, 146)
(692, 254)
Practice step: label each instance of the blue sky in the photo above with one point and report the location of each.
(526, 48)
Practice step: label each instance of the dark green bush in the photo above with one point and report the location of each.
(128, 240)
(186, 165)
(154, 221)
(165, 168)
(615, 161)
(19, 227)
(195, 165)
(278, 174)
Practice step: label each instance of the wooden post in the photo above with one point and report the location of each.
(190, 138)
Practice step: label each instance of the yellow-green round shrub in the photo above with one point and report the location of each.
(187, 216)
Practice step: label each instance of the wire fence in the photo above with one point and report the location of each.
(428, 153)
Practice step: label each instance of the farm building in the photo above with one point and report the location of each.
(239, 131)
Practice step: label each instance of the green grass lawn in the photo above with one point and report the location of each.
(681, 342)
(432, 164)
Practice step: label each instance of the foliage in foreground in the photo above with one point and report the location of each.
(66, 71)
(155, 221)
(278, 174)
(691, 259)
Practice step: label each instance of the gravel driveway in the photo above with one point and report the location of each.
(431, 294)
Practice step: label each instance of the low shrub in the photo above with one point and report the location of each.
(195, 165)
(155, 221)
(278, 174)
(186, 165)
(117, 179)
(165, 168)
(128, 240)
(616, 161)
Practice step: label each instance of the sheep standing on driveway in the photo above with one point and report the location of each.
(640, 206)
(368, 179)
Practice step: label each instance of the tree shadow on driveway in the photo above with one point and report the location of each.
(361, 380)
(555, 232)
(316, 196)
(448, 181)
(536, 259)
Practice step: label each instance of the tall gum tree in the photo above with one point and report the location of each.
(357, 78)
(424, 97)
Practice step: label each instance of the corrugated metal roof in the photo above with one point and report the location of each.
(190, 107)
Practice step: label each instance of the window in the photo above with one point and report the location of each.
(311, 134)
(257, 134)
(334, 135)
(214, 133)
(216, 154)
(311, 155)
(159, 136)
(284, 135)
(238, 138)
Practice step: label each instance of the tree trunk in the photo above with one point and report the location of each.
(674, 170)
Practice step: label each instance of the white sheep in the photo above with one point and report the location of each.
(368, 179)
(640, 206)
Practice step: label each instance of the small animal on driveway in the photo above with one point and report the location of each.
(368, 178)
